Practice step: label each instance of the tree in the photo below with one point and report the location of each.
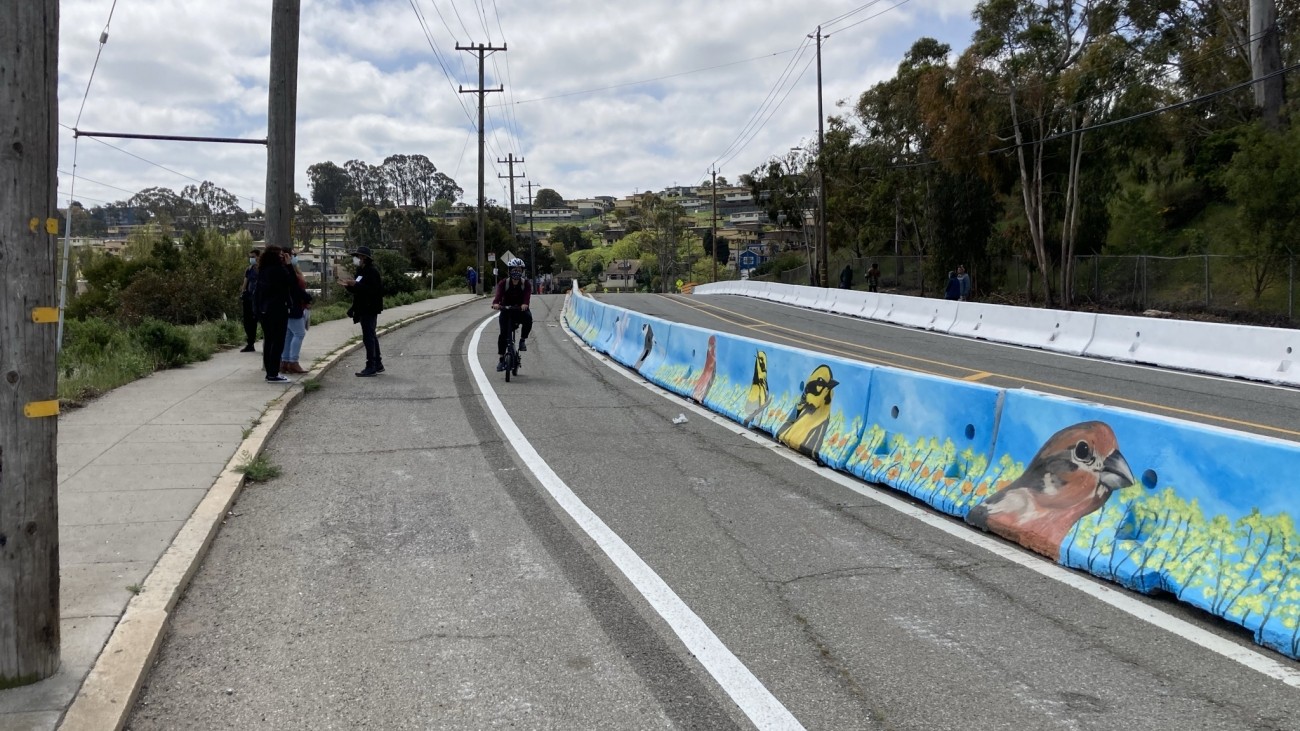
(1054, 62)
(209, 206)
(1262, 180)
(307, 223)
(570, 237)
(330, 184)
(547, 198)
(365, 229)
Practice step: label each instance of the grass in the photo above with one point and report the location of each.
(259, 469)
(100, 354)
(135, 588)
(311, 386)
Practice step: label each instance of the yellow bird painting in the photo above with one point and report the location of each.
(807, 426)
(757, 397)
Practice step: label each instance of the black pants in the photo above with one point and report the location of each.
(250, 322)
(274, 327)
(371, 339)
(524, 318)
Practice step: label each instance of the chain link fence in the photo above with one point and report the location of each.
(1234, 287)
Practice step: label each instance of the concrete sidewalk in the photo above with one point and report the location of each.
(144, 474)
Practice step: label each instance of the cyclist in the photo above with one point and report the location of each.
(514, 291)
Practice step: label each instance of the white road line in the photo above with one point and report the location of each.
(1116, 597)
(762, 708)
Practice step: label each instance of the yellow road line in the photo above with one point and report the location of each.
(803, 337)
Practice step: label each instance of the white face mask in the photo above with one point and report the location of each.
(252, 260)
(356, 261)
(293, 259)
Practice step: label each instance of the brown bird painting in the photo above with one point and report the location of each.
(710, 370)
(1073, 474)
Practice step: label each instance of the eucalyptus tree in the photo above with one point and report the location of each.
(1056, 64)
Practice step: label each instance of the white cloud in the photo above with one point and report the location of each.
(601, 98)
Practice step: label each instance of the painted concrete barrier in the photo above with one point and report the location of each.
(1241, 351)
(1152, 503)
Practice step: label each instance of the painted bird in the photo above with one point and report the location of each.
(1073, 474)
(649, 343)
(807, 425)
(756, 399)
(709, 371)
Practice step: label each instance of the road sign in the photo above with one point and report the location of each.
(492, 257)
(748, 260)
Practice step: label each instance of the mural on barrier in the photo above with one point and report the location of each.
(806, 427)
(1072, 475)
(1154, 504)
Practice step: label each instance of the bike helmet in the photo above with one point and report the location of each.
(516, 267)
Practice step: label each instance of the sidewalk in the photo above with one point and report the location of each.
(144, 474)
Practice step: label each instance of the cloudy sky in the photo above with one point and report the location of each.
(600, 98)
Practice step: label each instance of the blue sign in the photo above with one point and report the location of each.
(748, 260)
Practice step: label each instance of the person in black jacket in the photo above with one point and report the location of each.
(272, 299)
(367, 302)
(246, 299)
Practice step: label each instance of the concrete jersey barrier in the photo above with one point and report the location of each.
(1239, 351)
(1154, 504)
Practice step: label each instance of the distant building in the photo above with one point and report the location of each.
(620, 275)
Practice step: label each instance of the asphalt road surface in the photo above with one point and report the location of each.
(414, 569)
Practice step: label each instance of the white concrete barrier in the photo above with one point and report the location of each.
(1241, 351)
(920, 312)
(1244, 351)
(1061, 331)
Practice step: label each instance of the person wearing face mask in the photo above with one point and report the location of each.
(299, 317)
(272, 300)
(515, 293)
(367, 302)
(246, 297)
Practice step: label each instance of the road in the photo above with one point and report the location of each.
(412, 569)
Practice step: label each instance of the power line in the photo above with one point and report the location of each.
(659, 78)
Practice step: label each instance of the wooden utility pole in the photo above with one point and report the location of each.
(715, 226)
(514, 230)
(482, 92)
(29, 406)
(823, 251)
(532, 238)
(281, 121)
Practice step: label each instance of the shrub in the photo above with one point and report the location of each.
(166, 344)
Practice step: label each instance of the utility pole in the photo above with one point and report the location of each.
(29, 508)
(532, 239)
(281, 120)
(823, 274)
(1266, 60)
(482, 92)
(715, 225)
(514, 231)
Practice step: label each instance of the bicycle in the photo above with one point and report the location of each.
(513, 360)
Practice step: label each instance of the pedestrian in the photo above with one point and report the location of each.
(272, 299)
(953, 290)
(367, 302)
(846, 277)
(873, 278)
(963, 279)
(299, 318)
(472, 277)
(246, 299)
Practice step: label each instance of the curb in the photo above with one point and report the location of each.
(109, 692)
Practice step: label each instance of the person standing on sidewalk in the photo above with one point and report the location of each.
(272, 300)
(367, 302)
(246, 298)
(299, 318)
(471, 276)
